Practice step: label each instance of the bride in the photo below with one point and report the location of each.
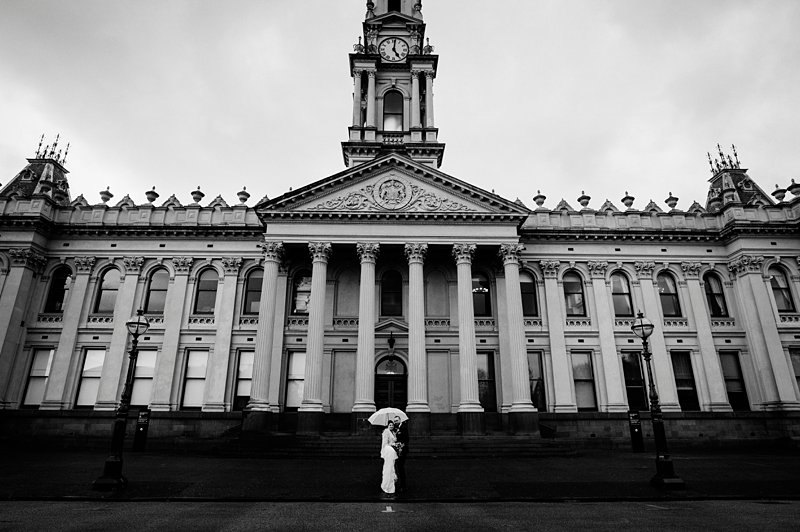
(389, 455)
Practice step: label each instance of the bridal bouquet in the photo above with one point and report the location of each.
(398, 447)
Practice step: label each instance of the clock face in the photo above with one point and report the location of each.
(393, 49)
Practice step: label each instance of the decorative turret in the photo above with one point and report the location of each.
(45, 175)
(393, 67)
(730, 183)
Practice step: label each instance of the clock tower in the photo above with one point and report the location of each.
(393, 68)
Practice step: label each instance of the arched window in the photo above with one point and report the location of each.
(573, 295)
(394, 5)
(715, 297)
(206, 292)
(527, 286)
(252, 291)
(621, 295)
(58, 290)
(481, 295)
(391, 294)
(668, 292)
(781, 290)
(157, 292)
(393, 111)
(107, 293)
(301, 292)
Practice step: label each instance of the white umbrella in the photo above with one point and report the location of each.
(385, 415)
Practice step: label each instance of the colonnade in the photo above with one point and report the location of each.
(416, 114)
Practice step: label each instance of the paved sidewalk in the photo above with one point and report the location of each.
(590, 475)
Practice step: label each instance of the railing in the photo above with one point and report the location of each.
(393, 139)
(47, 317)
(719, 323)
(297, 322)
(790, 318)
(624, 323)
(98, 319)
(485, 323)
(201, 320)
(437, 323)
(533, 322)
(345, 323)
(676, 322)
(156, 321)
(248, 321)
(579, 322)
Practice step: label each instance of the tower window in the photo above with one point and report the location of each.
(393, 111)
(394, 5)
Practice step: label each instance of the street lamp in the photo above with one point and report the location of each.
(665, 476)
(112, 471)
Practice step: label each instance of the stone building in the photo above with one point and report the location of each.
(391, 283)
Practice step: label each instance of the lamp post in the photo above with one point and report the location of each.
(112, 470)
(665, 476)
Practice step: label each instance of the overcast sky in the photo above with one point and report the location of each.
(559, 96)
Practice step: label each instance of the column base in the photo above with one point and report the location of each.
(471, 423)
(359, 423)
(258, 421)
(524, 422)
(309, 423)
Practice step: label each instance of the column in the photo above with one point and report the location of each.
(217, 371)
(604, 314)
(282, 292)
(562, 373)
(415, 98)
(25, 263)
(365, 355)
(357, 98)
(54, 398)
(774, 372)
(164, 388)
(715, 380)
(469, 408)
(417, 356)
(262, 359)
(310, 418)
(429, 98)
(112, 377)
(371, 98)
(662, 365)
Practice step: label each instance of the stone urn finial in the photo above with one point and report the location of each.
(106, 194)
(243, 195)
(794, 188)
(671, 201)
(197, 195)
(584, 200)
(151, 195)
(539, 198)
(628, 201)
(779, 193)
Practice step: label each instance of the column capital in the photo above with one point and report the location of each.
(430, 74)
(691, 270)
(644, 269)
(371, 72)
(27, 258)
(416, 251)
(320, 251)
(182, 264)
(510, 253)
(463, 253)
(415, 72)
(550, 268)
(273, 250)
(84, 264)
(597, 268)
(133, 265)
(368, 251)
(746, 264)
(357, 72)
(231, 265)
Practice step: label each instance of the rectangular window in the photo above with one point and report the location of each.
(90, 377)
(244, 380)
(195, 380)
(634, 381)
(37, 379)
(684, 380)
(295, 379)
(583, 375)
(143, 378)
(734, 381)
(794, 355)
(486, 388)
(536, 379)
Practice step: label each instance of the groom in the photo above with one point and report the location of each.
(400, 464)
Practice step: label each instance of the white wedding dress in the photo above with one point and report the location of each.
(389, 455)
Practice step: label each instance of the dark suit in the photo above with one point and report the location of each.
(400, 464)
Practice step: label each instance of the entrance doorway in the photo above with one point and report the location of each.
(391, 384)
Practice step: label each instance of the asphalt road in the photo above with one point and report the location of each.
(164, 516)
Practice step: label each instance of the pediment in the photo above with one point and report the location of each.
(392, 186)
